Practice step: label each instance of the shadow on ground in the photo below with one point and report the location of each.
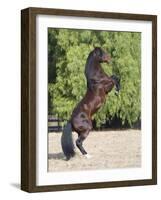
(57, 156)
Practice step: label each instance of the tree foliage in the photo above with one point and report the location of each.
(67, 54)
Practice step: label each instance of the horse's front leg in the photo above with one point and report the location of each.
(109, 84)
(116, 82)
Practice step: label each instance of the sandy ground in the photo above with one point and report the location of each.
(108, 149)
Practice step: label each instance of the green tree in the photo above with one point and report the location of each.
(67, 54)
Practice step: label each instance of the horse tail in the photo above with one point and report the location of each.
(67, 141)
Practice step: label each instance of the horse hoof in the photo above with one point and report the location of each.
(88, 156)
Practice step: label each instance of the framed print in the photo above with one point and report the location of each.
(88, 99)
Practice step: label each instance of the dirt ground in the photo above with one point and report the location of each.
(108, 149)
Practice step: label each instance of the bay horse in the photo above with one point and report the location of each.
(99, 84)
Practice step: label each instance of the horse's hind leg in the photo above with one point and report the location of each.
(79, 141)
(82, 125)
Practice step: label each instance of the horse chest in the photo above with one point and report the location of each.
(99, 105)
(99, 102)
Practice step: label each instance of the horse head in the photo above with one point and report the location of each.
(100, 55)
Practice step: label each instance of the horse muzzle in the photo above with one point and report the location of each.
(106, 58)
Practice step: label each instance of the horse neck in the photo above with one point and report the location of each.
(91, 63)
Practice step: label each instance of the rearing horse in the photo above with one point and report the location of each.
(99, 84)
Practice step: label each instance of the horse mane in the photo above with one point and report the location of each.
(88, 64)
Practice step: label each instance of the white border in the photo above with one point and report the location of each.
(145, 172)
